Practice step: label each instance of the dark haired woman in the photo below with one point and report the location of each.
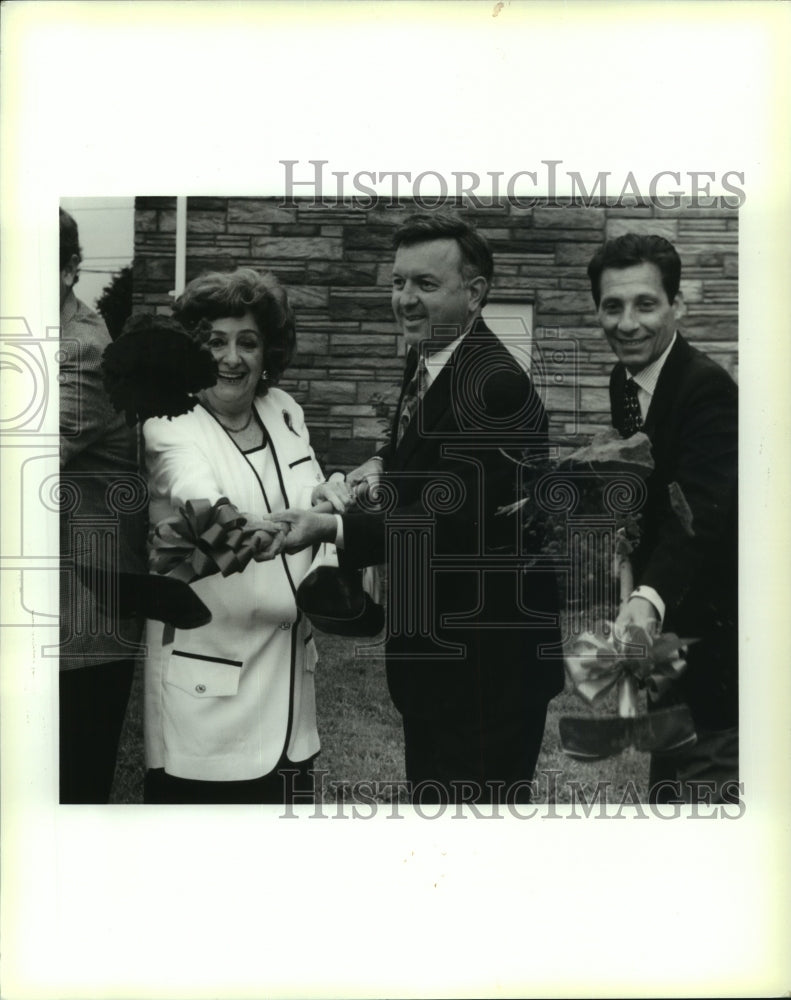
(229, 707)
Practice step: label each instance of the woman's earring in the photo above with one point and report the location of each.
(264, 376)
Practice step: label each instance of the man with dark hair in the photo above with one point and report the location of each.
(685, 564)
(98, 462)
(476, 257)
(466, 622)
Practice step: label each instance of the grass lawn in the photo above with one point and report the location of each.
(361, 734)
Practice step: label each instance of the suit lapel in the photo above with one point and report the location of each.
(436, 406)
(665, 391)
(409, 371)
(431, 409)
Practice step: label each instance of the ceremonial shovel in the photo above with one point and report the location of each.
(334, 599)
(665, 731)
(145, 595)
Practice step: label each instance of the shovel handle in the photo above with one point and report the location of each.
(625, 578)
(627, 697)
(627, 685)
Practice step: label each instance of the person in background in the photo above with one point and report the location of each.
(686, 573)
(101, 534)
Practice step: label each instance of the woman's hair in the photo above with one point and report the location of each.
(218, 295)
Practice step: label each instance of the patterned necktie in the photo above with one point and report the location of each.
(632, 418)
(413, 393)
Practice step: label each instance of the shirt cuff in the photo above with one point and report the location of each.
(650, 595)
(339, 532)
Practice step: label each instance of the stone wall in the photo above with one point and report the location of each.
(335, 263)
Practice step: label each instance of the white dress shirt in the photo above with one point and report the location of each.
(646, 380)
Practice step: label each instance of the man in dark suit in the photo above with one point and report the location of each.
(465, 621)
(685, 564)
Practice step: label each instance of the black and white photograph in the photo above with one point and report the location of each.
(347, 295)
(389, 478)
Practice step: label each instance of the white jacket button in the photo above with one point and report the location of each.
(285, 626)
(200, 688)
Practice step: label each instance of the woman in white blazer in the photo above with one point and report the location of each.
(230, 711)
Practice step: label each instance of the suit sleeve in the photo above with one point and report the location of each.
(486, 477)
(705, 468)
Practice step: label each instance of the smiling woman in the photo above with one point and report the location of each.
(244, 318)
(237, 345)
(230, 711)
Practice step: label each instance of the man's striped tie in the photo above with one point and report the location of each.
(413, 393)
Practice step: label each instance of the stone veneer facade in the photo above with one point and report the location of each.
(335, 262)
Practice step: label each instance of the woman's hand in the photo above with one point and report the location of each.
(637, 615)
(336, 492)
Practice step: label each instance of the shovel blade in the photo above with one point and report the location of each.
(594, 739)
(146, 595)
(336, 603)
(667, 731)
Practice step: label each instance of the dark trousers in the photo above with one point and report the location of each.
(449, 760)
(93, 703)
(278, 787)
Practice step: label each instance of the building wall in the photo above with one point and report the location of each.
(335, 262)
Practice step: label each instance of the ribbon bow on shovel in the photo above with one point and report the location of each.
(206, 538)
(596, 663)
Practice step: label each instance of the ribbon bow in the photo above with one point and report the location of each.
(204, 539)
(595, 662)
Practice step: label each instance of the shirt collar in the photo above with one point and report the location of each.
(437, 361)
(647, 378)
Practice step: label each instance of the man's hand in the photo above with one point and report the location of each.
(268, 538)
(303, 528)
(365, 476)
(637, 618)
